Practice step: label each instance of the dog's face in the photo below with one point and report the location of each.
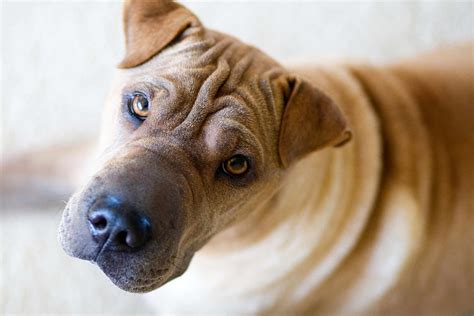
(198, 130)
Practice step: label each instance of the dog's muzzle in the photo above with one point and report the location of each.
(129, 220)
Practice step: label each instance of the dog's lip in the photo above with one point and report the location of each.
(137, 284)
(160, 272)
(157, 275)
(140, 288)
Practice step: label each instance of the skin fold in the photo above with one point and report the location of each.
(359, 196)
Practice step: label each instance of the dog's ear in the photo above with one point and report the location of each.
(310, 121)
(150, 25)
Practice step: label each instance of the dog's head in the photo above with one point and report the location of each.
(198, 130)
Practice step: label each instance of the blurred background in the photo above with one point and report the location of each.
(58, 59)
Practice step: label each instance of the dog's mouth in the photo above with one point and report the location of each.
(138, 240)
(137, 271)
(139, 282)
(134, 275)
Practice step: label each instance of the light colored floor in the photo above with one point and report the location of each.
(38, 277)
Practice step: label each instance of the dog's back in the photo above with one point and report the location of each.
(427, 112)
(424, 112)
(412, 152)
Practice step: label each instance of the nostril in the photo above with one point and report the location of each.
(121, 238)
(98, 221)
(132, 230)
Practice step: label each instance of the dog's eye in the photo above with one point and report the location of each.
(236, 166)
(138, 106)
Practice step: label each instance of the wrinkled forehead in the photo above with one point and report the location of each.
(213, 86)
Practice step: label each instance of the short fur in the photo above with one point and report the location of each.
(380, 225)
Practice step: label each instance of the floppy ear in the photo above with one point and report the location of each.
(310, 121)
(150, 25)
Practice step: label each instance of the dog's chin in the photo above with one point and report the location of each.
(138, 285)
(136, 278)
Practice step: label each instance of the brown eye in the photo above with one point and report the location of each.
(235, 166)
(139, 106)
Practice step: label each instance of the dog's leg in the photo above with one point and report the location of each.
(43, 178)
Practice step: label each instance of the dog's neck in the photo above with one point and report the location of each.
(318, 226)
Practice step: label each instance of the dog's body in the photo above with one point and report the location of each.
(386, 228)
(379, 225)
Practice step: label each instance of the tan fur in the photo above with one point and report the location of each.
(381, 225)
(165, 19)
(320, 123)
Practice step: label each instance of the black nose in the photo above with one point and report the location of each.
(117, 226)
